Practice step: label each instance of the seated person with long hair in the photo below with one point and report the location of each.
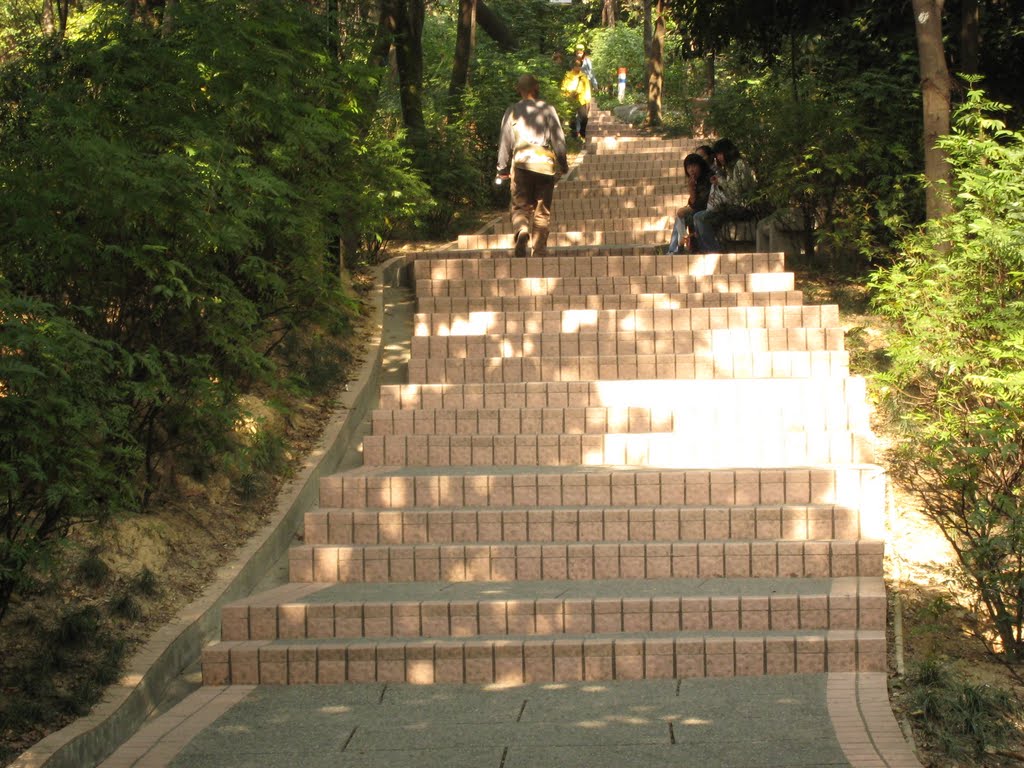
(698, 177)
(732, 192)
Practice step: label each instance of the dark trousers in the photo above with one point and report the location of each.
(531, 196)
(579, 126)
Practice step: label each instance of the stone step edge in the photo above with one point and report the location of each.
(626, 321)
(860, 486)
(530, 525)
(278, 615)
(624, 301)
(543, 659)
(496, 561)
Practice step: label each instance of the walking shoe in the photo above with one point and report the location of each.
(522, 243)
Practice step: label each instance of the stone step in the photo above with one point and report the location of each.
(570, 186)
(703, 365)
(443, 265)
(626, 206)
(577, 238)
(375, 488)
(511, 287)
(749, 446)
(610, 145)
(516, 525)
(690, 418)
(584, 251)
(720, 340)
(625, 301)
(568, 191)
(585, 321)
(543, 658)
(734, 558)
(628, 174)
(634, 224)
(833, 403)
(467, 609)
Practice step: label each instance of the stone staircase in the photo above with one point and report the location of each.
(606, 464)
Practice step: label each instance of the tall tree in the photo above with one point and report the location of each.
(609, 13)
(465, 39)
(656, 64)
(405, 20)
(935, 99)
(495, 27)
(970, 33)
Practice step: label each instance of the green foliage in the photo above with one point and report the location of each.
(67, 454)
(962, 718)
(614, 47)
(955, 387)
(171, 208)
(831, 138)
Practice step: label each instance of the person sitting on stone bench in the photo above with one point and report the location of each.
(698, 179)
(731, 198)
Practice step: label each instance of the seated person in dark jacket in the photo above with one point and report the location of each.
(732, 191)
(698, 177)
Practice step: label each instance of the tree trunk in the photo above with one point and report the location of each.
(648, 30)
(496, 29)
(48, 25)
(608, 13)
(970, 37)
(656, 65)
(935, 98)
(465, 39)
(167, 24)
(405, 20)
(709, 75)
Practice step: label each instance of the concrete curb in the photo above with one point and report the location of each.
(125, 705)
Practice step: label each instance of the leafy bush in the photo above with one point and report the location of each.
(171, 208)
(960, 717)
(955, 388)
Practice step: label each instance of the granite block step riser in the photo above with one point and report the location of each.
(720, 415)
(630, 250)
(554, 660)
(465, 618)
(664, 301)
(443, 267)
(556, 238)
(565, 193)
(632, 224)
(857, 486)
(754, 365)
(583, 561)
(627, 174)
(741, 448)
(770, 399)
(583, 524)
(589, 321)
(583, 286)
(720, 341)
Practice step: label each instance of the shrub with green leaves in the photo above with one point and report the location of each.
(171, 207)
(960, 717)
(955, 386)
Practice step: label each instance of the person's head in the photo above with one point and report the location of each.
(696, 167)
(581, 51)
(527, 86)
(704, 150)
(726, 153)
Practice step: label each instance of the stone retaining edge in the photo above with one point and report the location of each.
(125, 706)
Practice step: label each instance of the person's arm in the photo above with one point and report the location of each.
(505, 145)
(557, 139)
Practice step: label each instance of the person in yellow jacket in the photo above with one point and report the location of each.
(576, 87)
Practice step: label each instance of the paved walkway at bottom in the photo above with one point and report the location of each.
(793, 721)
